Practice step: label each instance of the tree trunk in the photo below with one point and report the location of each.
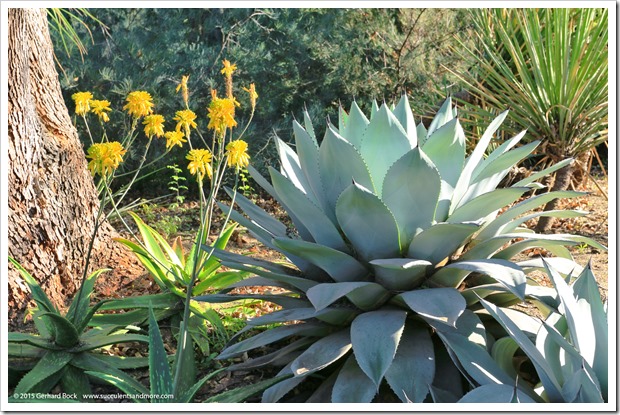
(562, 181)
(52, 197)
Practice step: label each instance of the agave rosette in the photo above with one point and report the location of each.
(398, 236)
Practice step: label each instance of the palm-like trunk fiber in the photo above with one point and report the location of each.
(562, 181)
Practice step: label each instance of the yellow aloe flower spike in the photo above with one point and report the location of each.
(105, 157)
(154, 125)
(82, 102)
(174, 138)
(139, 104)
(200, 163)
(100, 108)
(237, 154)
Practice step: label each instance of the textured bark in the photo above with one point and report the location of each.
(52, 197)
(562, 181)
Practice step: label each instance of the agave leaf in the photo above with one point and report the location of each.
(272, 335)
(545, 373)
(272, 359)
(375, 349)
(322, 353)
(340, 316)
(482, 206)
(578, 316)
(360, 213)
(65, 334)
(586, 289)
(503, 352)
(241, 394)
(499, 224)
(501, 150)
(276, 392)
(449, 163)
(505, 272)
(51, 366)
(282, 300)
(400, 274)
(412, 202)
(413, 368)
(383, 143)
(443, 305)
(365, 295)
(555, 247)
(308, 152)
(352, 384)
(321, 228)
(441, 240)
(443, 116)
(339, 266)
(494, 172)
(562, 265)
(421, 132)
(355, 126)
(258, 215)
(334, 150)
(582, 387)
(404, 115)
(543, 173)
(490, 393)
(291, 169)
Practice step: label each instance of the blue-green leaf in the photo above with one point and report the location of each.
(446, 147)
(365, 295)
(404, 115)
(375, 349)
(444, 305)
(355, 126)
(490, 393)
(485, 204)
(322, 353)
(308, 153)
(400, 274)
(352, 384)
(383, 143)
(360, 214)
(65, 333)
(159, 370)
(440, 241)
(413, 368)
(411, 191)
(51, 364)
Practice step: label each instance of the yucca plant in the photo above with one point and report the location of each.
(398, 236)
(550, 66)
(569, 349)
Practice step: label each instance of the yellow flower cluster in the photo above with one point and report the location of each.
(200, 163)
(185, 120)
(105, 157)
(222, 114)
(82, 102)
(237, 152)
(154, 125)
(174, 138)
(100, 108)
(139, 104)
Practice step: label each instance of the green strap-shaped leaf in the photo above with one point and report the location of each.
(549, 381)
(352, 385)
(501, 150)
(65, 334)
(318, 224)
(360, 214)
(160, 300)
(97, 342)
(365, 295)
(383, 143)
(444, 305)
(339, 266)
(482, 206)
(77, 312)
(375, 348)
(440, 241)
(338, 174)
(400, 274)
(93, 365)
(38, 295)
(539, 175)
(490, 393)
(75, 381)
(413, 368)
(159, 370)
(242, 393)
(404, 115)
(411, 191)
(322, 353)
(258, 215)
(355, 126)
(50, 366)
(273, 335)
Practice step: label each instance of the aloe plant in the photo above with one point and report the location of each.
(64, 350)
(398, 236)
(570, 348)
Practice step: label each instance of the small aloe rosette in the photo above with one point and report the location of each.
(398, 235)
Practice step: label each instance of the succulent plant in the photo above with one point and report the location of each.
(569, 349)
(398, 234)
